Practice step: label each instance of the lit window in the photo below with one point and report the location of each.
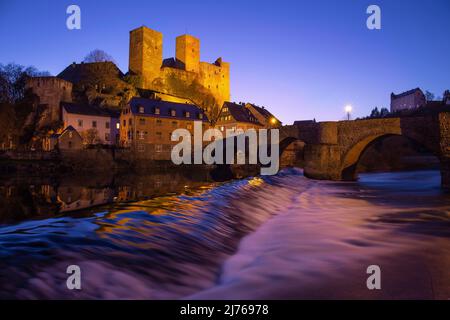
(222, 128)
(158, 148)
(188, 114)
(141, 109)
(157, 111)
(117, 125)
(141, 135)
(200, 116)
(173, 113)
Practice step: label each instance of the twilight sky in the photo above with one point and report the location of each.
(301, 59)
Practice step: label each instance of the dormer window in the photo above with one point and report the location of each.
(188, 114)
(157, 111)
(200, 116)
(141, 109)
(173, 113)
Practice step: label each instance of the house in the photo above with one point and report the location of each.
(408, 100)
(267, 119)
(96, 125)
(69, 139)
(236, 116)
(146, 125)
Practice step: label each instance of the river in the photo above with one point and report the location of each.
(175, 236)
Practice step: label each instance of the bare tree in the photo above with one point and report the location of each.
(90, 136)
(98, 55)
(12, 81)
(429, 96)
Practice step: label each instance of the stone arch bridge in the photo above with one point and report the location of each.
(333, 149)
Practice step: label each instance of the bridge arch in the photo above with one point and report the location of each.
(291, 152)
(351, 158)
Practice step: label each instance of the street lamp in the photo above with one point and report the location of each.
(348, 110)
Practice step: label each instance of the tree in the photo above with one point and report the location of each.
(429, 96)
(90, 136)
(12, 81)
(384, 112)
(374, 113)
(98, 55)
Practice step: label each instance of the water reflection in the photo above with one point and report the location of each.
(42, 197)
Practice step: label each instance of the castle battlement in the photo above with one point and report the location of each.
(207, 84)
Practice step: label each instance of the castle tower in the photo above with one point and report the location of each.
(51, 92)
(146, 54)
(188, 52)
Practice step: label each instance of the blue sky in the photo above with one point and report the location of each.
(301, 59)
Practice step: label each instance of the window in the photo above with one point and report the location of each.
(158, 148)
(107, 124)
(189, 126)
(141, 109)
(200, 116)
(80, 123)
(173, 113)
(141, 147)
(188, 114)
(130, 121)
(222, 128)
(141, 135)
(94, 124)
(159, 135)
(142, 121)
(70, 144)
(157, 111)
(117, 125)
(124, 123)
(174, 124)
(225, 109)
(106, 136)
(158, 122)
(70, 134)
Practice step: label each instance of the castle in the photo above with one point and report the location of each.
(206, 84)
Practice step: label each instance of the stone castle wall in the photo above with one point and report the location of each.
(204, 83)
(51, 92)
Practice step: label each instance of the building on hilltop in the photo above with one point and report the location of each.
(51, 91)
(95, 125)
(146, 125)
(408, 100)
(207, 84)
(236, 116)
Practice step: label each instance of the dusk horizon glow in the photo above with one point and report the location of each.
(300, 60)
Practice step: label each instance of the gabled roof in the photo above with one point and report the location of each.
(87, 110)
(406, 93)
(240, 113)
(263, 111)
(165, 109)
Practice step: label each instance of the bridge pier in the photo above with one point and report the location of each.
(322, 162)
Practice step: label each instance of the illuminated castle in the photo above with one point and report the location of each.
(206, 84)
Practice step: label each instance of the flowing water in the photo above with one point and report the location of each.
(174, 236)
